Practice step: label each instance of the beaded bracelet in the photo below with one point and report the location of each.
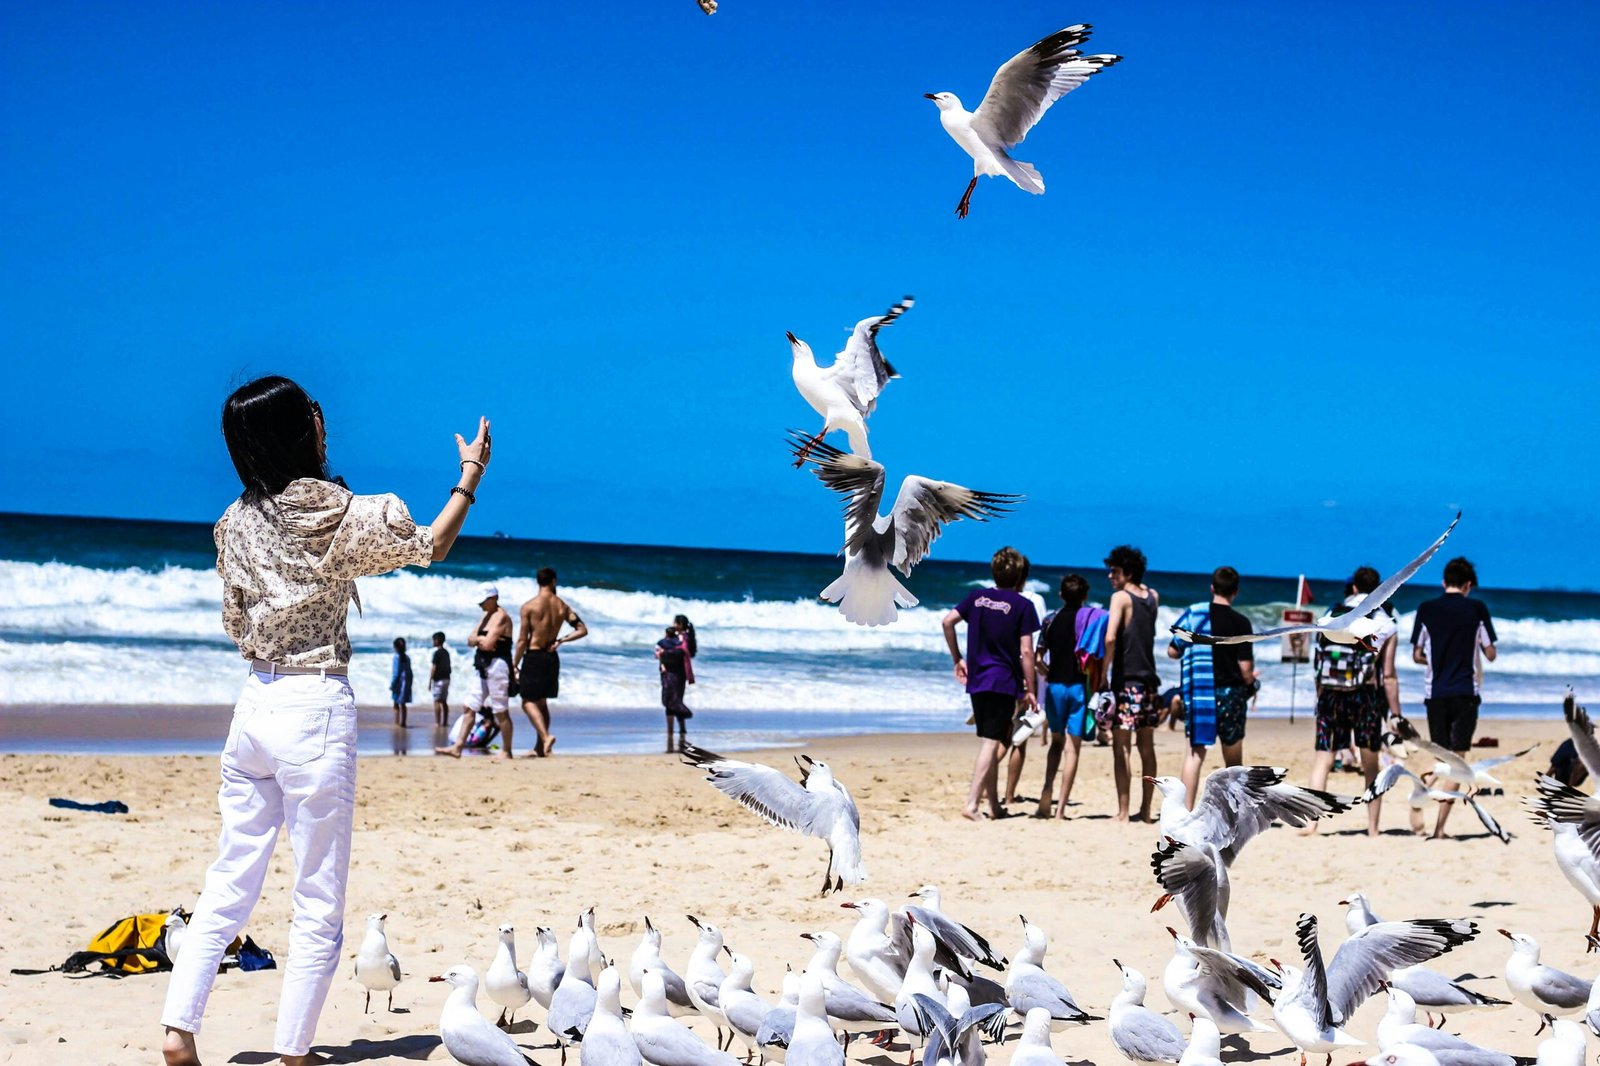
(475, 463)
(458, 490)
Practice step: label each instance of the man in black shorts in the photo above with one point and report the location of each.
(539, 670)
(1450, 633)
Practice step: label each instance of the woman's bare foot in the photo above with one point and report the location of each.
(1122, 817)
(550, 745)
(178, 1049)
(970, 814)
(453, 753)
(503, 755)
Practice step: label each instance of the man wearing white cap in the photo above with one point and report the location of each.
(491, 644)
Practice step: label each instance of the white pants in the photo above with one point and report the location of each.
(494, 688)
(290, 760)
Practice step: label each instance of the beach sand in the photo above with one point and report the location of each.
(450, 850)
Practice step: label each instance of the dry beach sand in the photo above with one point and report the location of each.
(450, 850)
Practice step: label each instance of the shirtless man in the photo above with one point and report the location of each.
(491, 645)
(537, 641)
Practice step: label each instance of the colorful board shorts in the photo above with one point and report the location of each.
(1343, 714)
(1066, 709)
(1137, 706)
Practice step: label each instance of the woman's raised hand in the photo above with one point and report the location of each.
(475, 451)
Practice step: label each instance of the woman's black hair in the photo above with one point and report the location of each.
(270, 426)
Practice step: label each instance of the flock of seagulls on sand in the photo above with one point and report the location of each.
(919, 979)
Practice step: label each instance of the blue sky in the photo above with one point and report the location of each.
(1301, 284)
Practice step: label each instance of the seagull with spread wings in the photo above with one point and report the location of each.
(1021, 92)
(1316, 1002)
(817, 805)
(845, 393)
(1238, 803)
(867, 593)
(1575, 817)
(1355, 626)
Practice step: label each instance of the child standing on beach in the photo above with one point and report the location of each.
(289, 550)
(439, 682)
(400, 681)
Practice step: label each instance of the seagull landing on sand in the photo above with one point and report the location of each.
(1021, 92)
(1356, 626)
(846, 393)
(817, 805)
(867, 593)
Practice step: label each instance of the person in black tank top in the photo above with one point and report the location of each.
(1131, 650)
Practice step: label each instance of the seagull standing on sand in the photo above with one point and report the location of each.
(956, 943)
(545, 968)
(877, 959)
(647, 956)
(1028, 986)
(846, 393)
(703, 977)
(1021, 92)
(1399, 1026)
(740, 1004)
(1317, 1001)
(814, 1042)
(1358, 625)
(918, 982)
(1140, 1033)
(466, 1034)
(1217, 985)
(573, 1003)
(506, 985)
(818, 805)
(1565, 1046)
(1543, 989)
(596, 958)
(376, 969)
(867, 593)
(1431, 991)
(607, 1042)
(664, 1042)
(849, 1008)
(777, 1028)
(1205, 1043)
(1033, 1048)
(1238, 803)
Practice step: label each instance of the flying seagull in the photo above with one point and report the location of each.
(867, 593)
(1021, 92)
(846, 393)
(1236, 804)
(1357, 625)
(817, 805)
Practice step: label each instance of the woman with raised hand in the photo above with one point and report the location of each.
(289, 550)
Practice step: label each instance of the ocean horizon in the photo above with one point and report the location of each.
(97, 611)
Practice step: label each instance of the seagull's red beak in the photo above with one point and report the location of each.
(431, 979)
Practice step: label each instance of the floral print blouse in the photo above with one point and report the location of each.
(289, 566)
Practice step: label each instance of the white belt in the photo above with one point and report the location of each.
(261, 666)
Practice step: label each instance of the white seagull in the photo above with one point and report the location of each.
(376, 969)
(1355, 626)
(596, 958)
(956, 943)
(1021, 92)
(814, 1042)
(607, 1042)
(468, 1036)
(744, 1009)
(1205, 1043)
(1317, 1001)
(777, 1028)
(1543, 989)
(1448, 766)
(1237, 803)
(1420, 796)
(817, 805)
(846, 393)
(850, 1009)
(867, 593)
(1028, 986)
(1033, 1049)
(506, 985)
(1431, 991)
(1403, 1055)
(173, 931)
(877, 959)
(647, 956)
(545, 968)
(1399, 1026)
(1217, 985)
(663, 1041)
(1565, 1046)
(1140, 1033)
(919, 981)
(1567, 812)
(703, 977)
(573, 1003)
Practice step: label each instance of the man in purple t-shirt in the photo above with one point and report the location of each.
(998, 669)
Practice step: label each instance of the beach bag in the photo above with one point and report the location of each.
(483, 731)
(132, 945)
